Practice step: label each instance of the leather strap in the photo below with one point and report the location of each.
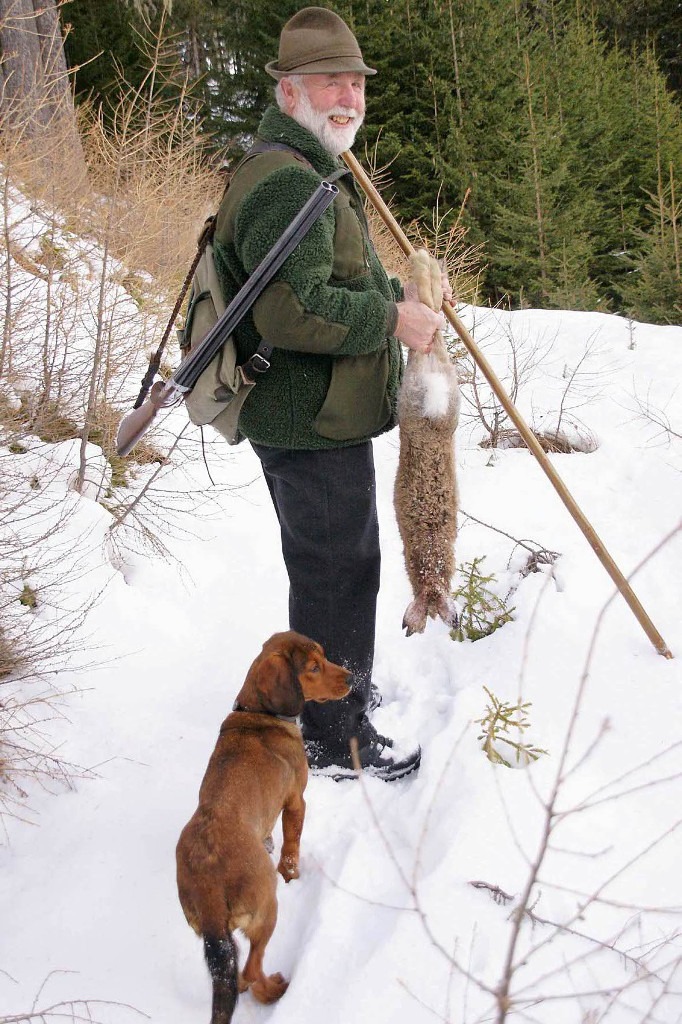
(261, 358)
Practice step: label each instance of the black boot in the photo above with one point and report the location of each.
(376, 754)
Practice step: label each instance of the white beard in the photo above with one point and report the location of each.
(334, 140)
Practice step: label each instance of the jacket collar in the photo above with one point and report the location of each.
(277, 126)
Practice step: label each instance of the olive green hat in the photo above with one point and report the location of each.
(316, 41)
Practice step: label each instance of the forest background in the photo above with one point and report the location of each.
(557, 123)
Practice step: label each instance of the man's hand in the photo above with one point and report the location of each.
(417, 324)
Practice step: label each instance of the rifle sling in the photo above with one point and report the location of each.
(259, 362)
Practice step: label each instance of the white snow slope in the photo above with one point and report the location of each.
(384, 925)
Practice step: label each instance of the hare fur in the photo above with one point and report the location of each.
(425, 495)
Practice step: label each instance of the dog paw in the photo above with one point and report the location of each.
(242, 983)
(269, 989)
(288, 868)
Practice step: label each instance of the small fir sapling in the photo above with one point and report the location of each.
(481, 610)
(499, 719)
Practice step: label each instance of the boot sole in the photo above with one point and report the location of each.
(340, 774)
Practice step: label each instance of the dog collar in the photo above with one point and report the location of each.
(293, 719)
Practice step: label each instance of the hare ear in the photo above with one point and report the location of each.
(278, 688)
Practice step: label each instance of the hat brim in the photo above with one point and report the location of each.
(327, 65)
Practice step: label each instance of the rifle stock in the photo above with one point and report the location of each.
(137, 422)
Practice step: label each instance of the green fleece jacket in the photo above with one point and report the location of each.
(330, 312)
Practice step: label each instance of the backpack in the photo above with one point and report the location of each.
(221, 390)
(219, 393)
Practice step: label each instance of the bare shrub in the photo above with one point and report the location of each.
(75, 1011)
(146, 159)
(42, 619)
(558, 430)
(29, 757)
(130, 225)
(97, 239)
(481, 405)
(664, 421)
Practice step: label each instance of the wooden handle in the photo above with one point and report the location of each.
(515, 416)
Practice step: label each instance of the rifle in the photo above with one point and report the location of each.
(164, 394)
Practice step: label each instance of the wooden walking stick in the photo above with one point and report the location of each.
(526, 433)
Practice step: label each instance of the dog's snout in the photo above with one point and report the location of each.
(331, 682)
(345, 678)
(344, 683)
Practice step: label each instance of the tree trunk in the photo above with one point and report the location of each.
(36, 91)
(55, 71)
(455, 61)
(23, 85)
(537, 181)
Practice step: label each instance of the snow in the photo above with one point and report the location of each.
(383, 924)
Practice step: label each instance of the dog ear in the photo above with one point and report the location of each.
(278, 688)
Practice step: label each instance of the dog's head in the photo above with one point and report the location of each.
(290, 670)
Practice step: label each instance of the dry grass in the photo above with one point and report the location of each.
(98, 229)
(138, 186)
(552, 442)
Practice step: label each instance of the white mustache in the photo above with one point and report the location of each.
(344, 112)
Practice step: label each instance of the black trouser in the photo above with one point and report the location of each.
(326, 505)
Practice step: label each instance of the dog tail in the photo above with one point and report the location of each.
(222, 963)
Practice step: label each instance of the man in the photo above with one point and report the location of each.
(336, 322)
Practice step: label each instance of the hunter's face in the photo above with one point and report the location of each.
(331, 106)
(342, 89)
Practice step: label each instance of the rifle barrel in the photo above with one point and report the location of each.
(137, 422)
(196, 362)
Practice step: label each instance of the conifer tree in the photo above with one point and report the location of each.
(102, 37)
(411, 109)
(226, 45)
(653, 288)
(562, 133)
(588, 88)
(646, 24)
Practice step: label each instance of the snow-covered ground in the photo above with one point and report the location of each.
(384, 925)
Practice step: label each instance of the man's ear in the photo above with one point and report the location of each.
(288, 90)
(278, 688)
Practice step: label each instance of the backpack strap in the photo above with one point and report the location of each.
(260, 360)
(265, 146)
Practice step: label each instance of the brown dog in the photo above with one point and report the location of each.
(226, 878)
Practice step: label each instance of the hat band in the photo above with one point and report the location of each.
(313, 58)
